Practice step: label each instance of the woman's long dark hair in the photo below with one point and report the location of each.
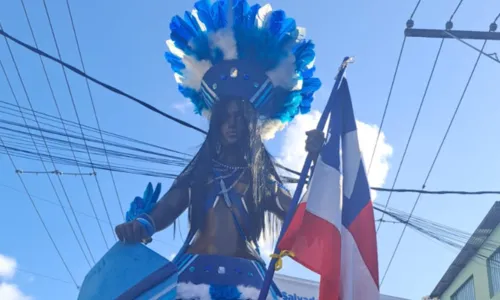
(252, 152)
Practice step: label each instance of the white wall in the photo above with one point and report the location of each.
(301, 289)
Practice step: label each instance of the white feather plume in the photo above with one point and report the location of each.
(248, 292)
(193, 291)
(311, 64)
(225, 41)
(202, 25)
(194, 71)
(301, 34)
(284, 75)
(172, 48)
(269, 128)
(298, 85)
(263, 15)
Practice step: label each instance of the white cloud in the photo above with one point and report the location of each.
(12, 292)
(9, 291)
(7, 267)
(293, 151)
(172, 256)
(183, 106)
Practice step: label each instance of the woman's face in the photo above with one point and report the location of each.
(232, 126)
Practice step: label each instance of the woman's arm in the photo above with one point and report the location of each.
(168, 209)
(280, 200)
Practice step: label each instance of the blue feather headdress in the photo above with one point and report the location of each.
(232, 49)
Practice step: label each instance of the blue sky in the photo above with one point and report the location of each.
(123, 44)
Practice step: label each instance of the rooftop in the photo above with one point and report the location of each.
(475, 242)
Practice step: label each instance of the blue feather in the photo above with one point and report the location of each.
(304, 54)
(219, 15)
(250, 17)
(179, 42)
(240, 10)
(148, 192)
(288, 34)
(266, 46)
(204, 14)
(311, 85)
(191, 21)
(145, 204)
(202, 46)
(308, 73)
(182, 29)
(276, 22)
(195, 97)
(175, 62)
(305, 105)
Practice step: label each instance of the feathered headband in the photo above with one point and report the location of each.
(232, 49)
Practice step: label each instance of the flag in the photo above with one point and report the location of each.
(333, 229)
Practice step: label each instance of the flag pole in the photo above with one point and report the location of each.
(303, 175)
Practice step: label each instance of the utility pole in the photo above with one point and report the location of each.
(459, 35)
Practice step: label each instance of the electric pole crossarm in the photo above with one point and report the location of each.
(459, 34)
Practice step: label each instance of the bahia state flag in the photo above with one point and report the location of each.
(333, 230)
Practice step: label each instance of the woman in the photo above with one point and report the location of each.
(233, 152)
(250, 71)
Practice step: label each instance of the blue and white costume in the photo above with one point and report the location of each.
(222, 277)
(232, 49)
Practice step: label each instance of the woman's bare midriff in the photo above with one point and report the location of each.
(220, 235)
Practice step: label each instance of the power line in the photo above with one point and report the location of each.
(42, 221)
(435, 159)
(98, 82)
(409, 23)
(177, 161)
(51, 89)
(79, 212)
(14, 108)
(43, 164)
(42, 275)
(93, 106)
(456, 10)
(417, 116)
(416, 191)
(415, 9)
(77, 118)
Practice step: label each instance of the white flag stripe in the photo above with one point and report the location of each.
(324, 192)
(350, 163)
(356, 280)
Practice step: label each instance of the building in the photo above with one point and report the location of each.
(475, 272)
(294, 288)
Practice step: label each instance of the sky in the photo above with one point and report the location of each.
(122, 44)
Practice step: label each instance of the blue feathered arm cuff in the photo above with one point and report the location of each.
(145, 204)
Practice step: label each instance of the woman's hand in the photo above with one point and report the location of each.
(314, 142)
(131, 232)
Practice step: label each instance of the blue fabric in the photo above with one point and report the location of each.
(234, 196)
(204, 269)
(224, 292)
